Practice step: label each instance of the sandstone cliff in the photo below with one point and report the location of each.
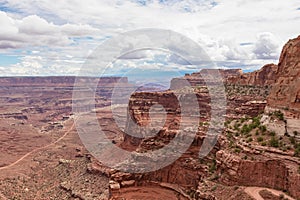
(263, 172)
(285, 93)
(196, 79)
(265, 76)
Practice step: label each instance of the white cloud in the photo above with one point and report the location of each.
(219, 26)
(36, 31)
(34, 25)
(267, 46)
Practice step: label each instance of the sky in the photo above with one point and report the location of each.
(43, 38)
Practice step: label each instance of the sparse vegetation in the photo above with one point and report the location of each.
(237, 150)
(214, 188)
(260, 139)
(274, 142)
(295, 133)
(297, 150)
(278, 114)
(249, 130)
(213, 166)
(263, 128)
(272, 133)
(249, 140)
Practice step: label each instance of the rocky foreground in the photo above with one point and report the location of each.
(42, 156)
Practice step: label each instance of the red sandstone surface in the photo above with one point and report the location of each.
(42, 156)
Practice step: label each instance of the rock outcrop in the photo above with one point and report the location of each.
(272, 173)
(285, 93)
(196, 79)
(265, 76)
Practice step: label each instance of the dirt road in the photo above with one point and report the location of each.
(38, 149)
(254, 192)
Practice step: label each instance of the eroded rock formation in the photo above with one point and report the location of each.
(285, 93)
(266, 76)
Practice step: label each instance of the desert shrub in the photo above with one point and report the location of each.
(284, 149)
(293, 140)
(260, 139)
(245, 129)
(295, 132)
(272, 133)
(279, 115)
(237, 126)
(263, 128)
(229, 134)
(213, 166)
(274, 142)
(297, 150)
(255, 122)
(214, 188)
(237, 150)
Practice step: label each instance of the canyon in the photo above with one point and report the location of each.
(43, 157)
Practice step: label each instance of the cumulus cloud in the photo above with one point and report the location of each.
(34, 25)
(267, 46)
(65, 32)
(36, 31)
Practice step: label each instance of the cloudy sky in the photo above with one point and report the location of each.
(55, 37)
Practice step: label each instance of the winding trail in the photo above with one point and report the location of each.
(38, 149)
(254, 192)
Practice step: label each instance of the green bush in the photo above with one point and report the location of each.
(272, 133)
(263, 128)
(279, 115)
(246, 129)
(249, 140)
(293, 140)
(213, 166)
(214, 188)
(256, 122)
(237, 150)
(260, 139)
(237, 127)
(274, 142)
(297, 150)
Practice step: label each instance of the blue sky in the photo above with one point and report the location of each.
(46, 38)
(9, 59)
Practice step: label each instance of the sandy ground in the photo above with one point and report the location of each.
(37, 149)
(254, 192)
